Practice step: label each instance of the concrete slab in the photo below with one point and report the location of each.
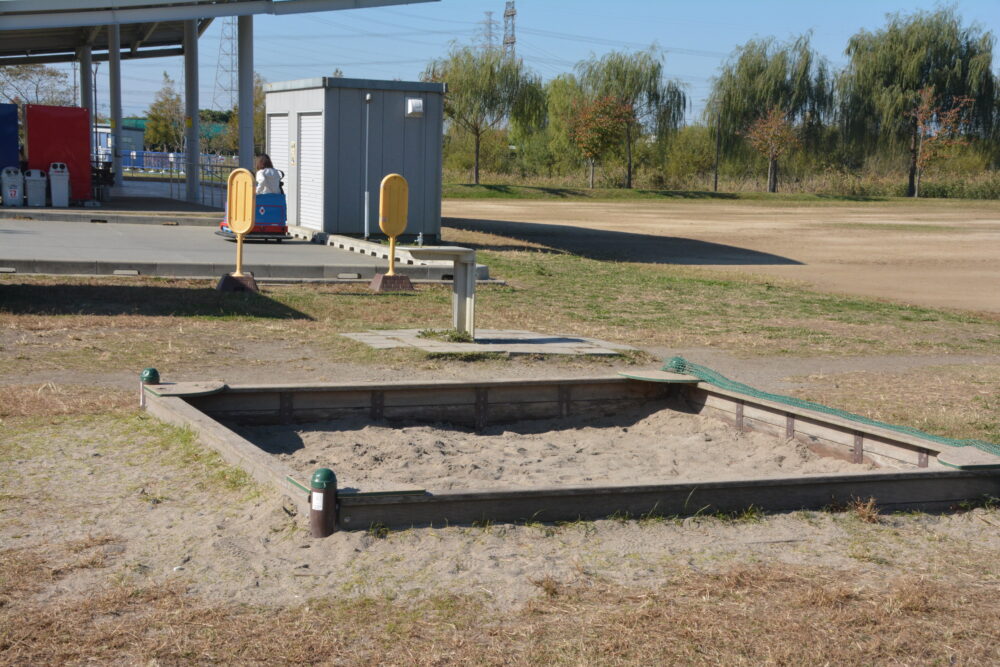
(76, 247)
(500, 341)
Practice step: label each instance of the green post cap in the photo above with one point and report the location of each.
(150, 376)
(323, 478)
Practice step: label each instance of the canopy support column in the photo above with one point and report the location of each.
(245, 67)
(115, 94)
(192, 126)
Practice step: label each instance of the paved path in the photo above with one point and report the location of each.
(492, 341)
(32, 246)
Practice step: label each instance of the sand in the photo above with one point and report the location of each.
(641, 446)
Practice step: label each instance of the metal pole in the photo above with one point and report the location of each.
(115, 84)
(718, 146)
(323, 503)
(86, 81)
(245, 66)
(87, 93)
(368, 115)
(192, 127)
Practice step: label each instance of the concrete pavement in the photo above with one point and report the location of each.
(78, 247)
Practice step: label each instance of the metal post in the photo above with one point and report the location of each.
(192, 129)
(87, 92)
(245, 77)
(148, 376)
(323, 503)
(368, 115)
(86, 81)
(718, 149)
(115, 88)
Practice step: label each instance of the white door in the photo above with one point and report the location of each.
(310, 190)
(277, 143)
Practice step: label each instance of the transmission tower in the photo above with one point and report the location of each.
(489, 31)
(508, 29)
(224, 95)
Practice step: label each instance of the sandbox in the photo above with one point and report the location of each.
(417, 454)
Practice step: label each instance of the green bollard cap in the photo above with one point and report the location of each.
(150, 376)
(323, 478)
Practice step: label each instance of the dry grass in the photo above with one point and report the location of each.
(750, 615)
(958, 401)
(50, 399)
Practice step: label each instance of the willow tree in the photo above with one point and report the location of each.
(881, 85)
(764, 75)
(636, 80)
(486, 90)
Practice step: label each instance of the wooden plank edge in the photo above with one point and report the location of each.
(185, 388)
(925, 490)
(833, 420)
(660, 376)
(416, 384)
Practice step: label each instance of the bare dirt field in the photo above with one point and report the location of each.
(931, 253)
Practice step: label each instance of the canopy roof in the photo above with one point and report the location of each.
(51, 31)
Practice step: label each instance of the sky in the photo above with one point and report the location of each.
(397, 42)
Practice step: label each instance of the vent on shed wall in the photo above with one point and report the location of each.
(310, 190)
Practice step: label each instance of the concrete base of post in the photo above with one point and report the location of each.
(232, 283)
(386, 283)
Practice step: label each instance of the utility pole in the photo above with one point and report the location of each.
(509, 39)
(224, 95)
(718, 147)
(489, 38)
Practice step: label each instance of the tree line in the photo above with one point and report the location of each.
(915, 94)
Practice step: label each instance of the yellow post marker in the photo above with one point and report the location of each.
(240, 203)
(394, 200)
(240, 207)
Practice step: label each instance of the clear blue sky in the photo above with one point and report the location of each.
(552, 36)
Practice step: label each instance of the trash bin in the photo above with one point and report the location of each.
(13, 186)
(59, 184)
(34, 184)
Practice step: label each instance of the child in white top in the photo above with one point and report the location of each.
(268, 178)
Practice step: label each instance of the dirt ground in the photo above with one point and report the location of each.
(930, 253)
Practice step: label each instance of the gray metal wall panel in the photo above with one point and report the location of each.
(434, 145)
(350, 184)
(391, 147)
(413, 167)
(376, 162)
(332, 167)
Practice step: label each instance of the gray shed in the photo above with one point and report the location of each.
(322, 132)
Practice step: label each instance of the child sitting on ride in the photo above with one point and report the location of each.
(268, 178)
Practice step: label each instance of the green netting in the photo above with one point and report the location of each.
(681, 365)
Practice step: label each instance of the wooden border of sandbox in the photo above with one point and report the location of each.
(941, 476)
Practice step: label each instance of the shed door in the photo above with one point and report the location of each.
(277, 142)
(310, 190)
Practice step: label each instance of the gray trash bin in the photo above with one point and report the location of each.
(59, 184)
(34, 184)
(12, 182)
